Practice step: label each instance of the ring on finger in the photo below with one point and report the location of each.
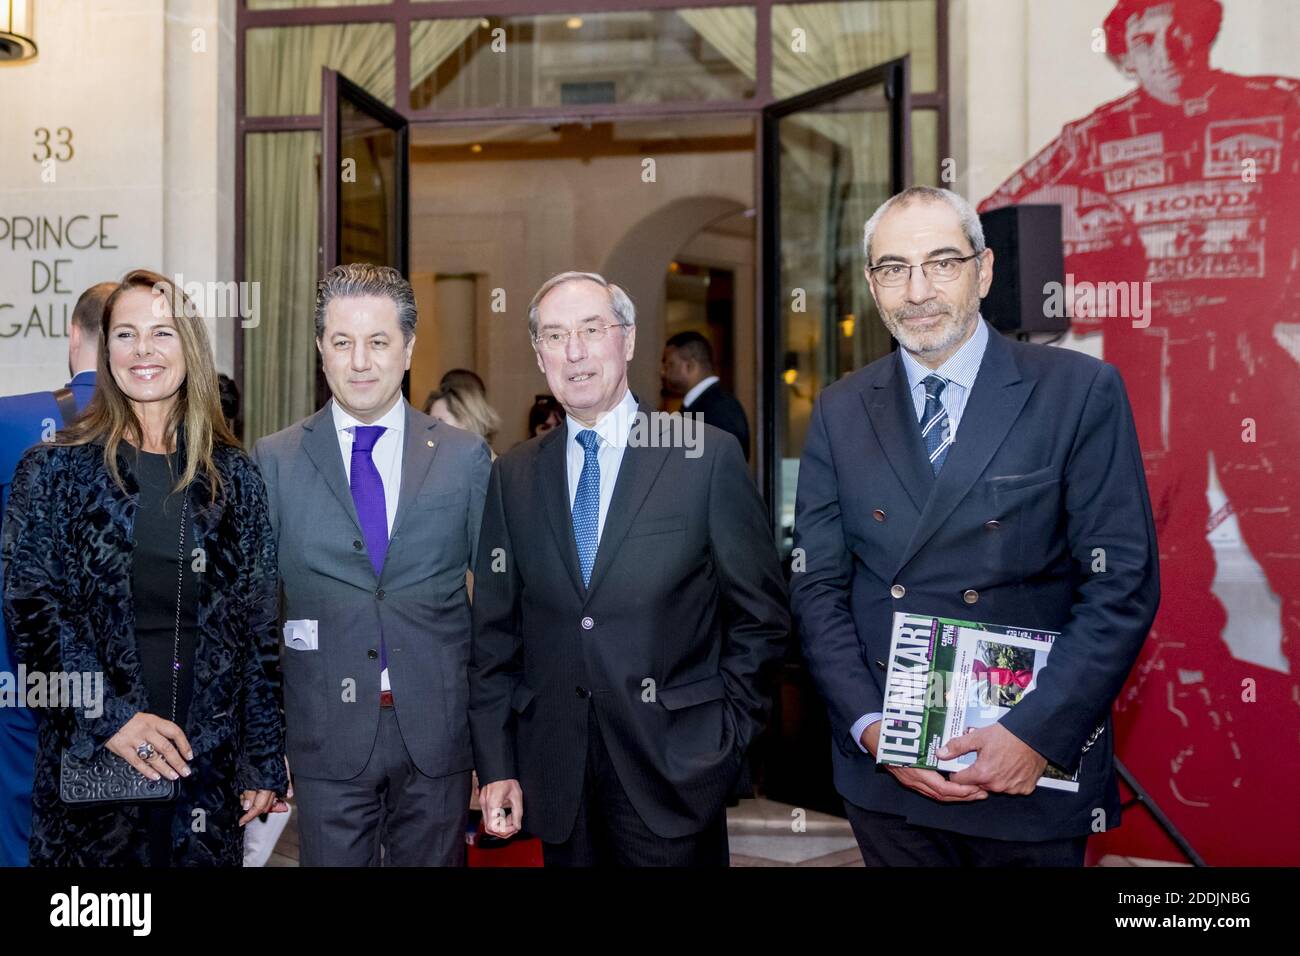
(145, 751)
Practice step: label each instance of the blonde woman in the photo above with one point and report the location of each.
(464, 408)
(137, 545)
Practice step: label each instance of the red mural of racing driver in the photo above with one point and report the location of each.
(1189, 182)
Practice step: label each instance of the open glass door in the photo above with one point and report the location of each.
(830, 157)
(365, 197)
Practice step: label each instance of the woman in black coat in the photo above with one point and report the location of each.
(138, 546)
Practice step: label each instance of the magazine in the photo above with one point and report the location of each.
(948, 677)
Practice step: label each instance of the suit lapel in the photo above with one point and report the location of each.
(890, 408)
(418, 449)
(322, 446)
(553, 490)
(636, 474)
(995, 402)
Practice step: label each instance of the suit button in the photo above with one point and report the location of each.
(878, 515)
(588, 624)
(992, 525)
(582, 691)
(356, 545)
(898, 590)
(380, 594)
(372, 654)
(970, 597)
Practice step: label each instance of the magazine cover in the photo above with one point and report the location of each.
(947, 677)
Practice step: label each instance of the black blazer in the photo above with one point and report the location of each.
(720, 409)
(673, 680)
(1045, 471)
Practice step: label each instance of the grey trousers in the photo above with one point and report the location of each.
(417, 820)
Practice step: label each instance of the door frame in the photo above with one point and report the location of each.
(894, 77)
(335, 88)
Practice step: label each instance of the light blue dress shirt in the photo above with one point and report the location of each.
(613, 429)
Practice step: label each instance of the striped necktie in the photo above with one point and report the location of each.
(935, 428)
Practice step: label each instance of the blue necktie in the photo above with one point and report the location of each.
(934, 423)
(372, 509)
(586, 503)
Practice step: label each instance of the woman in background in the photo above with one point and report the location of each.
(464, 408)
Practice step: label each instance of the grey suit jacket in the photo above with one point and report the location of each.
(419, 603)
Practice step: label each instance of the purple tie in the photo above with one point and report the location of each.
(372, 511)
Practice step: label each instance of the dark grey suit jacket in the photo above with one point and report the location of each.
(419, 603)
(686, 605)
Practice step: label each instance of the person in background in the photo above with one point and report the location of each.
(465, 408)
(262, 834)
(24, 421)
(545, 415)
(463, 380)
(231, 405)
(98, 541)
(687, 370)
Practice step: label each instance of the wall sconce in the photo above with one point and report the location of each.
(16, 43)
(847, 324)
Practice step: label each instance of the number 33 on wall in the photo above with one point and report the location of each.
(43, 143)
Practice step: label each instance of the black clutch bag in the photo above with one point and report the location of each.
(105, 777)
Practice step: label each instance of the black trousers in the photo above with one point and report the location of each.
(889, 840)
(609, 831)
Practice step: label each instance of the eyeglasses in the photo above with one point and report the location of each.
(555, 340)
(893, 274)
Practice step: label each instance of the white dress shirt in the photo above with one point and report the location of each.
(959, 372)
(697, 391)
(613, 428)
(387, 456)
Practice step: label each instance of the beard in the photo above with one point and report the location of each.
(943, 335)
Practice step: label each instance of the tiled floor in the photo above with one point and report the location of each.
(761, 833)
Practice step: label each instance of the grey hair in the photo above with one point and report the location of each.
(970, 220)
(357, 279)
(619, 303)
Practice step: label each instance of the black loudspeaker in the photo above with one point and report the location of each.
(1028, 269)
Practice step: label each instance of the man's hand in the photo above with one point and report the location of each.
(502, 802)
(928, 783)
(1005, 763)
(257, 802)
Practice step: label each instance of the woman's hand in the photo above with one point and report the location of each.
(170, 748)
(257, 802)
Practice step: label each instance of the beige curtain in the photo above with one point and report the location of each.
(432, 41)
(281, 208)
(282, 197)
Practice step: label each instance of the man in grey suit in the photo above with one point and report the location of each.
(376, 509)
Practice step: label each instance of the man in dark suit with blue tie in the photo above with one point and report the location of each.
(608, 689)
(971, 477)
(24, 421)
